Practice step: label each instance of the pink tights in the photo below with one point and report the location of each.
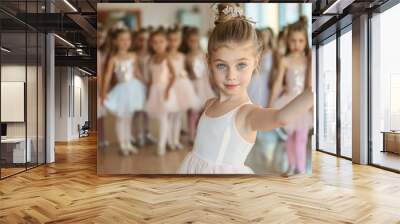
(296, 149)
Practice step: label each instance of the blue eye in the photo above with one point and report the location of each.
(241, 66)
(221, 66)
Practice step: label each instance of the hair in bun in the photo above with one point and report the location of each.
(231, 26)
(228, 11)
(299, 26)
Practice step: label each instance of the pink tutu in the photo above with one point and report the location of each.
(193, 164)
(157, 106)
(304, 122)
(186, 95)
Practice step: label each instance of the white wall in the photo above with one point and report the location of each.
(165, 13)
(14, 73)
(61, 103)
(67, 115)
(80, 83)
(33, 127)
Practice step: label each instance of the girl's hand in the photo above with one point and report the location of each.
(297, 107)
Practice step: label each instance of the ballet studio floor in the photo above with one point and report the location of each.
(70, 191)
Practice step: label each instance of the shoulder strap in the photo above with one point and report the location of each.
(238, 108)
(242, 104)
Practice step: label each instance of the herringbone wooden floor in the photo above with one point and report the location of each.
(69, 191)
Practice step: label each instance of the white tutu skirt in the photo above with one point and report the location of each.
(186, 95)
(193, 164)
(157, 106)
(126, 98)
(203, 89)
(304, 122)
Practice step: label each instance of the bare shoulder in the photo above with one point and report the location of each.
(209, 101)
(112, 60)
(246, 110)
(169, 59)
(285, 60)
(243, 121)
(133, 55)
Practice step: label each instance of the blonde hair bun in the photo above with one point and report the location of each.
(227, 12)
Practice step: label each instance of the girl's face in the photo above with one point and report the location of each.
(159, 43)
(174, 40)
(266, 37)
(123, 41)
(232, 67)
(141, 41)
(193, 42)
(297, 41)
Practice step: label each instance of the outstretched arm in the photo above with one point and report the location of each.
(264, 119)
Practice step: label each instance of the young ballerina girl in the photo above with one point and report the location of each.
(186, 95)
(128, 95)
(295, 71)
(162, 99)
(258, 88)
(197, 67)
(141, 49)
(228, 126)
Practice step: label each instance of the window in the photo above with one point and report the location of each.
(385, 85)
(276, 15)
(346, 94)
(327, 96)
